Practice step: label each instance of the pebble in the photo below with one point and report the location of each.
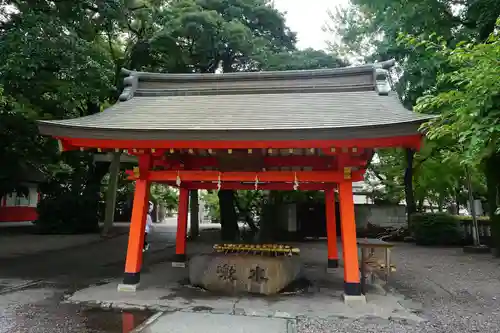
(446, 282)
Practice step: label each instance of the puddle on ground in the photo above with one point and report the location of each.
(113, 321)
(69, 318)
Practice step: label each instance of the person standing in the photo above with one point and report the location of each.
(149, 226)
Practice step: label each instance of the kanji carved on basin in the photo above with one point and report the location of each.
(243, 272)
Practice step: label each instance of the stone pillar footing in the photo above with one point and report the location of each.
(122, 287)
(354, 299)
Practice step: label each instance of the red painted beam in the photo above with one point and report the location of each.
(409, 141)
(263, 176)
(266, 186)
(315, 162)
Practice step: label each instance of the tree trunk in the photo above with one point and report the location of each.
(97, 172)
(420, 205)
(270, 216)
(493, 183)
(408, 182)
(228, 217)
(457, 201)
(109, 215)
(475, 231)
(194, 206)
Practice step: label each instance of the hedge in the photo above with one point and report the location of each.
(465, 218)
(436, 229)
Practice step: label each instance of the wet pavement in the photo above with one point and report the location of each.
(33, 286)
(38, 309)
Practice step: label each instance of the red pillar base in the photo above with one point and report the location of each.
(131, 278)
(133, 261)
(331, 232)
(333, 263)
(179, 261)
(352, 282)
(352, 288)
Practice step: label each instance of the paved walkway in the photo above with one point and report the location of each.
(445, 290)
(448, 290)
(189, 322)
(164, 289)
(33, 284)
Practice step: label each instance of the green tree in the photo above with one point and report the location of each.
(54, 60)
(370, 30)
(206, 35)
(468, 102)
(298, 60)
(63, 59)
(21, 150)
(165, 195)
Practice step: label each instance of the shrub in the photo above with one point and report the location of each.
(466, 218)
(436, 229)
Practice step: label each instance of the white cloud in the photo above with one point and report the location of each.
(306, 18)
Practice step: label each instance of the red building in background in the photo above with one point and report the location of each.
(16, 207)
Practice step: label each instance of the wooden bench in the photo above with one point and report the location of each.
(375, 258)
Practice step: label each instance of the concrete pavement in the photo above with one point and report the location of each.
(448, 290)
(33, 283)
(189, 322)
(166, 289)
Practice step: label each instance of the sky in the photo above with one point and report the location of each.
(306, 18)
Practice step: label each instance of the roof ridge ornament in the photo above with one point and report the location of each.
(259, 75)
(131, 82)
(382, 85)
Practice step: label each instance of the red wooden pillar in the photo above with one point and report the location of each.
(180, 239)
(352, 285)
(331, 229)
(133, 262)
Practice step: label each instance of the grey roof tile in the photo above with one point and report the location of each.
(250, 112)
(258, 105)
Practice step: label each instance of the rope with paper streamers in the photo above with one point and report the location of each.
(295, 182)
(219, 183)
(178, 179)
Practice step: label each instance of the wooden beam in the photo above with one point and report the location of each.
(188, 162)
(262, 176)
(265, 186)
(108, 157)
(408, 141)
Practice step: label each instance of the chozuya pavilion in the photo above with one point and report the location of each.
(290, 130)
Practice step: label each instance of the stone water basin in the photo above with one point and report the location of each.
(234, 273)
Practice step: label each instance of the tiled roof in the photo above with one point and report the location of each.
(314, 104)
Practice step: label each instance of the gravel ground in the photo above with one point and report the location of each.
(38, 310)
(33, 285)
(453, 291)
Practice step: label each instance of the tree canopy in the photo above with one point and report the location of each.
(447, 65)
(62, 59)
